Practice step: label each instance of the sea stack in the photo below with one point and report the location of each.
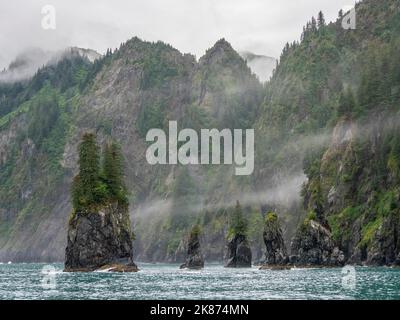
(99, 229)
(313, 245)
(276, 254)
(100, 239)
(238, 252)
(194, 258)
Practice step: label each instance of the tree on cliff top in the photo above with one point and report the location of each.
(93, 187)
(86, 185)
(238, 224)
(113, 172)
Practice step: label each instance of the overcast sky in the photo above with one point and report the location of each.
(260, 26)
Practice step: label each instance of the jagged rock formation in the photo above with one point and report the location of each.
(100, 239)
(238, 253)
(125, 94)
(276, 253)
(313, 246)
(358, 197)
(353, 188)
(194, 258)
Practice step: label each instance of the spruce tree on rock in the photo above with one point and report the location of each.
(238, 252)
(239, 222)
(86, 184)
(113, 172)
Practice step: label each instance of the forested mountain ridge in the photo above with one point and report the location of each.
(345, 82)
(332, 81)
(139, 86)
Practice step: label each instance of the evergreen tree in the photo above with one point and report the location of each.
(76, 194)
(239, 224)
(369, 94)
(89, 167)
(86, 188)
(347, 103)
(113, 171)
(321, 20)
(93, 187)
(313, 24)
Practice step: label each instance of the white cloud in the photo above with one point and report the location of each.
(261, 26)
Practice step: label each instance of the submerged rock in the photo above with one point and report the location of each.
(100, 239)
(194, 259)
(313, 246)
(276, 253)
(238, 253)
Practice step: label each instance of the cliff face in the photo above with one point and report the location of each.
(313, 245)
(140, 86)
(194, 255)
(238, 253)
(276, 253)
(352, 190)
(98, 239)
(355, 194)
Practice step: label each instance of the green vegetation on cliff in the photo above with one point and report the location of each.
(333, 80)
(94, 186)
(238, 223)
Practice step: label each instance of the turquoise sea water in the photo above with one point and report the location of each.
(166, 281)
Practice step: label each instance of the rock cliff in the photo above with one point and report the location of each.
(276, 253)
(238, 253)
(99, 240)
(313, 246)
(194, 256)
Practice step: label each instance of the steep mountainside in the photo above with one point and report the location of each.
(140, 86)
(344, 82)
(322, 120)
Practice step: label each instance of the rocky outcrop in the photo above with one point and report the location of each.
(194, 258)
(313, 246)
(100, 239)
(276, 253)
(238, 253)
(129, 92)
(354, 191)
(384, 246)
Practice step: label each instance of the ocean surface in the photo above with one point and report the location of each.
(166, 281)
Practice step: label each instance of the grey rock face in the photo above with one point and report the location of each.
(100, 238)
(194, 259)
(313, 245)
(238, 253)
(276, 253)
(384, 248)
(397, 262)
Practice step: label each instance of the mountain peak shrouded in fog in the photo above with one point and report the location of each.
(263, 66)
(25, 65)
(332, 78)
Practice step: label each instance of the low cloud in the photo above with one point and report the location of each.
(261, 26)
